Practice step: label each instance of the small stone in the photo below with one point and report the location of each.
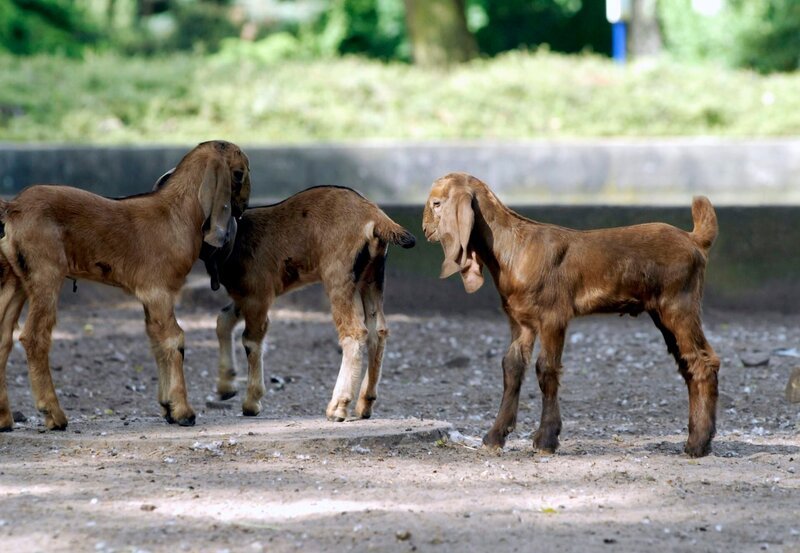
(402, 535)
(458, 362)
(147, 507)
(754, 358)
(19, 416)
(214, 404)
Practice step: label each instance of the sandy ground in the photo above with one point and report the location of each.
(120, 479)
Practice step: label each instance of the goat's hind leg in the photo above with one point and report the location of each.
(699, 365)
(348, 315)
(227, 319)
(12, 298)
(377, 332)
(515, 363)
(36, 337)
(255, 311)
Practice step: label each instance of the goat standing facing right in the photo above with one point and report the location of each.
(144, 244)
(328, 234)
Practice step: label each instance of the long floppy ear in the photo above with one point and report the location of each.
(455, 226)
(472, 273)
(214, 258)
(215, 199)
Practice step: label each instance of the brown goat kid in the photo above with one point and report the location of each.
(328, 234)
(546, 275)
(144, 244)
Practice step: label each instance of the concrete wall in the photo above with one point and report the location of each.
(737, 172)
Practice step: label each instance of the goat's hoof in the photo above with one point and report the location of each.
(493, 441)
(7, 428)
(54, 419)
(364, 408)
(228, 394)
(697, 450)
(188, 420)
(166, 412)
(250, 412)
(545, 442)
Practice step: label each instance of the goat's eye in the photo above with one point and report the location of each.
(436, 203)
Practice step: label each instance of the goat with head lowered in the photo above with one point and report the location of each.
(144, 244)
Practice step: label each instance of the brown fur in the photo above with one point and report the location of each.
(547, 275)
(144, 244)
(326, 234)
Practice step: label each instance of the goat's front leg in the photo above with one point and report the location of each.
(36, 338)
(12, 298)
(548, 372)
(348, 314)
(167, 344)
(376, 341)
(256, 323)
(226, 322)
(515, 363)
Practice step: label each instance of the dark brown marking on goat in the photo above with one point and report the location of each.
(247, 350)
(182, 351)
(360, 263)
(379, 268)
(559, 254)
(305, 213)
(291, 272)
(104, 267)
(23, 264)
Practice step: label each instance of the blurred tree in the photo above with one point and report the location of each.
(438, 32)
(645, 32)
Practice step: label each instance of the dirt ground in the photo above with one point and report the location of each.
(120, 479)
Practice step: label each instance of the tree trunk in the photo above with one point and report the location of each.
(645, 33)
(438, 32)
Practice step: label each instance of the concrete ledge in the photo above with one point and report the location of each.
(641, 172)
(284, 435)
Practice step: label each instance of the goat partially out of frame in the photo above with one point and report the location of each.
(328, 234)
(144, 244)
(547, 275)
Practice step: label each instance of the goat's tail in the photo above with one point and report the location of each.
(705, 222)
(389, 231)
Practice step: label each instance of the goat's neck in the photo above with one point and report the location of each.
(498, 231)
(183, 198)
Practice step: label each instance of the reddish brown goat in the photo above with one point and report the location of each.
(144, 244)
(324, 234)
(547, 275)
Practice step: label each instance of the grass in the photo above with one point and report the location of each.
(107, 99)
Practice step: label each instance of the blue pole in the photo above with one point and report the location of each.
(618, 41)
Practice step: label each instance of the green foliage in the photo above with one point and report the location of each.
(34, 26)
(564, 25)
(201, 26)
(374, 28)
(251, 99)
(763, 35)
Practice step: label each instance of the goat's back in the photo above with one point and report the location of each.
(289, 243)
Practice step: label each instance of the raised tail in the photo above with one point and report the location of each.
(705, 222)
(389, 231)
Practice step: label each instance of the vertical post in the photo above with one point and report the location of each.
(619, 41)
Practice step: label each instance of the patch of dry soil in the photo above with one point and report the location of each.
(120, 479)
